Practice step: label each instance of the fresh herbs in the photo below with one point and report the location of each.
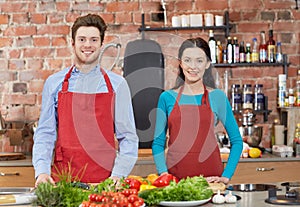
(189, 189)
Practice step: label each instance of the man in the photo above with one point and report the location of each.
(84, 109)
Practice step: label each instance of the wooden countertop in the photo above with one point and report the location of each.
(146, 158)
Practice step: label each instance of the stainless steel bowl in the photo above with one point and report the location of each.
(250, 187)
(251, 135)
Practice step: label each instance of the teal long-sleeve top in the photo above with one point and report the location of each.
(221, 108)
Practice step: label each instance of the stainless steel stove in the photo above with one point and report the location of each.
(291, 196)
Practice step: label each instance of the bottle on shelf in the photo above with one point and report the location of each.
(275, 122)
(229, 48)
(247, 98)
(296, 141)
(248, 53)
(291, 97)
(254, 54)
(297, 92)
(236, 53)
(242, 52)
(258, 97)
(219, 51)
(279, 58)
(224, 53)
(212, 46)
(236, 97)
(271, 48)
(263, 48)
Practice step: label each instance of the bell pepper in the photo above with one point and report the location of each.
(146, 187)
(133, 183)
(152, 177)
(164, 180)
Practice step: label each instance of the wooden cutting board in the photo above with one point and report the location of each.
(5, 156)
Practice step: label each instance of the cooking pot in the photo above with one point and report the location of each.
(251, 135)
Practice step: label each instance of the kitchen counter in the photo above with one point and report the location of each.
(248, 199)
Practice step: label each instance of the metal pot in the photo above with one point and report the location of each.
(250, 187)
(251, 135)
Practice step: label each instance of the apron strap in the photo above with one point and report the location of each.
(204, 101)
(65, 85)
(107, 81)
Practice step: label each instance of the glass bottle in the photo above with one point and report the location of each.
(291, 97)
(258, 97)
(247, 98)
(242, 52)
(276, 122)
(271, 48)
(279, 58)
(254, 54)
(296, 141)
(248, 53)
(212, 46)
(263, 48)
(236, 97)
(297, 93)
(229, 48)
(219, 51)
(236, 53)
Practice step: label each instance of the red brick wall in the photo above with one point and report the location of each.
(35, 41)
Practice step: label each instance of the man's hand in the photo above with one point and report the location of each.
(44, 178)
(217, 179)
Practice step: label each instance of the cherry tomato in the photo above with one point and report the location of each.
(85, 204)
(126, 192)
(132, 198)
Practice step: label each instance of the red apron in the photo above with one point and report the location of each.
(85, 133)
(193, 148)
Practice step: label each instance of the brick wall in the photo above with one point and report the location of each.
(35, 41)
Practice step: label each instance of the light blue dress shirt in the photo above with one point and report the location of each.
(92, 82)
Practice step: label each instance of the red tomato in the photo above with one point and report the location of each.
(92, 197)
(134, 191)
(105, 200)
(133, 183)
(85, 204)
(126, 192)
(130, 205)
(137, 204)
(132, 198)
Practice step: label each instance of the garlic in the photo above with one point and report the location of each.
(229, 198)
(218, 198)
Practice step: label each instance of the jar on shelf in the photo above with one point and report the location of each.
(236, 97)
(247, 97)
(259, 97)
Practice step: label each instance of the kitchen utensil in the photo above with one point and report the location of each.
(116, 45)
(251, 135)
(250, 187)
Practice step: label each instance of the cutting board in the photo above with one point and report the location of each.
(5, 156)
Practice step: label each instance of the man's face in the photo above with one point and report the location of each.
(87, 46)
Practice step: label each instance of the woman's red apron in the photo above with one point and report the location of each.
(85, 140)
(193, 148)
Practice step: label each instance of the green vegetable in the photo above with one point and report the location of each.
(188, 189)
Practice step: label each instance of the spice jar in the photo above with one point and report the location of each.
(236, 97)
(258, 97)
(247, 96)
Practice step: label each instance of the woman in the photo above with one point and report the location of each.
(189, 113)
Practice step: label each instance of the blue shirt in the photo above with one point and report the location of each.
(91, 82)
(222, 112)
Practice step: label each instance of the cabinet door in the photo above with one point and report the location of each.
(247, 172)
(17, 177)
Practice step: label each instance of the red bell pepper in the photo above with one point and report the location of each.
(164, 180)
(133, 183)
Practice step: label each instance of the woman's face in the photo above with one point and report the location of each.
(194, 63)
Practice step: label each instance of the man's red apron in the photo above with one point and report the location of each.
(193, 148)
(85, 133)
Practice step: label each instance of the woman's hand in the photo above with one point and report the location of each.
(44, 178)
(217, 179)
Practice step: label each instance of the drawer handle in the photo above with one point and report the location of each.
(264, 169)
(9, 174)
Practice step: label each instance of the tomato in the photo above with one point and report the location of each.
(85, 204)
(98, 198)
(126, 192)
(93, 205)
(133, 183)
(137, 204)
(105, 200)
(134, 191)
(130, 205)
(132, 198)
(164, 180)
(92, 197)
